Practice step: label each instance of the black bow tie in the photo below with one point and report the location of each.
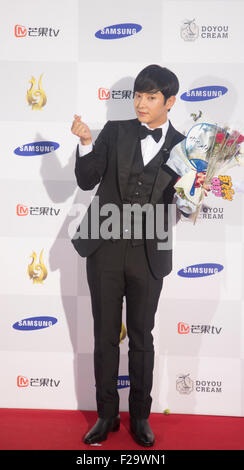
(155, 133)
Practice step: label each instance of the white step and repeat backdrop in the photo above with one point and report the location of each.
(62, 57)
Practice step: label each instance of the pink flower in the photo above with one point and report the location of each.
(235, 135)
(240, 139)
(219, 138)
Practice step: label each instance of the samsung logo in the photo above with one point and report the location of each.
(200, 270)
(35, 323)
(204, 93)
(36, 148)
(118, 31)
(123, 381)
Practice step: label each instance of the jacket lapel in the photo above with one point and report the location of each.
(163, 177)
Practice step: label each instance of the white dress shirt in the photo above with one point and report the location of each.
(150, 148)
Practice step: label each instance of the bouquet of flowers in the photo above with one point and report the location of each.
(208, 151)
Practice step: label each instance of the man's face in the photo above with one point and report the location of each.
(151, 109)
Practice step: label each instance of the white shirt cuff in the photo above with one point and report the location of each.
(84, 149)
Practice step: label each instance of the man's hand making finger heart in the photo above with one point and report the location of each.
(82, 131)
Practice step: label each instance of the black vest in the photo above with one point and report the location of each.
(138, 191)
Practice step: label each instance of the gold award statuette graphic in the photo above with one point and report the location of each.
(37, 272)
(33, 94)
(123, 333)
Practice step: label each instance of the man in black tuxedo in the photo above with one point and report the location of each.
(128, 161)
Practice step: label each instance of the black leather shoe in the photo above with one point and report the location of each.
(99, 432)
(141, 432)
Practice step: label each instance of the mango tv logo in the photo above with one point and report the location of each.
(204, 93)
(118, 31)
(200, 270)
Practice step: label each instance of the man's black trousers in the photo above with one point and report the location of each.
(114, 271)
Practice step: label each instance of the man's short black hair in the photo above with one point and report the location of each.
(155, 78)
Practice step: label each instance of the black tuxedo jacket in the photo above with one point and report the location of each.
(109, 164)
